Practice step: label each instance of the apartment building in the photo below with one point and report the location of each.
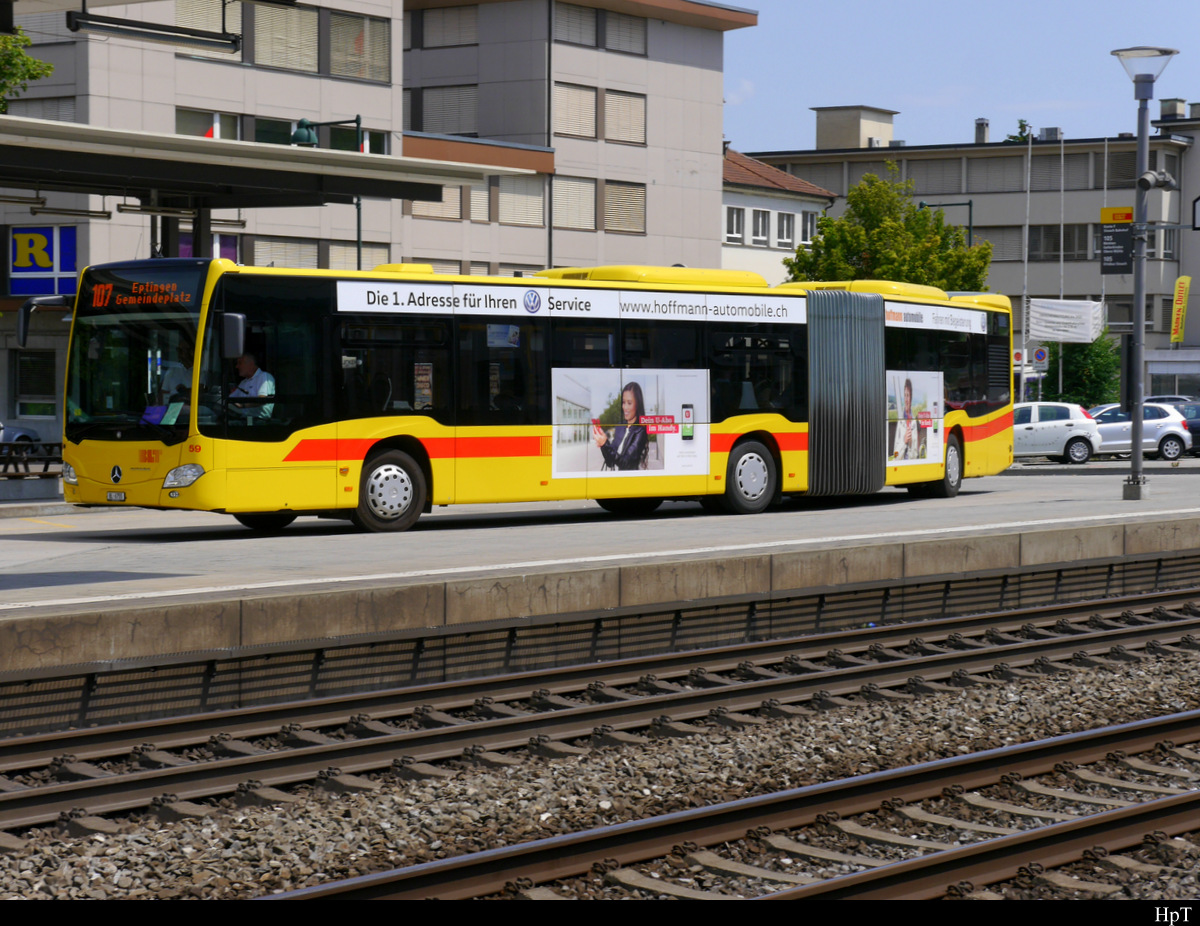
(602, 121)
(1039, 203)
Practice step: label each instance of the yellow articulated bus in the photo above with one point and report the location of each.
(269, 393)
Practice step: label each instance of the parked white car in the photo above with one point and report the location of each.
(1054, 429)
(1165, 431)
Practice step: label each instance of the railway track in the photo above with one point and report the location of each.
(954, 827)
(89, 773)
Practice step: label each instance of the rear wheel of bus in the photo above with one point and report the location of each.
(392, 494)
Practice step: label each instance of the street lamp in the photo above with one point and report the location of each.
(1143, 64)
(306, 136)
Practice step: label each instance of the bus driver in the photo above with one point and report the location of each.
(255, 383)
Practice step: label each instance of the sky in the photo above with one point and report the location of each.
(941, 65)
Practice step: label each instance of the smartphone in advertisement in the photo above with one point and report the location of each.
(687, 429)
(595, 422)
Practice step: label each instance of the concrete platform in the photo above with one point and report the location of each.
(94, 585)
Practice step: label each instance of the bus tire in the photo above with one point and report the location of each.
(629, 507)
(951, 482)
(750, 479)
(392, 494)
(269, 523)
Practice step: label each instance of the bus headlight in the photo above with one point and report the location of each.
(182, 476)
(69, 476)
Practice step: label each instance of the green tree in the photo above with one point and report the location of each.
(18, 67)
(1091, 373)
(884, 235)
(1024, 130)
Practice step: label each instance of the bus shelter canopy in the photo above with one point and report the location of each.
(202, 173)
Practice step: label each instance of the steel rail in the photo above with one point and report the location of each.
(109, 741)
(218, 777)
(483, 873)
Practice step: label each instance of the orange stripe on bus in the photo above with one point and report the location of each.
(438, 448)
(973, 432)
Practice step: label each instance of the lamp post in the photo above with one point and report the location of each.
(1143, 64)
(969, 203)
(306, 137)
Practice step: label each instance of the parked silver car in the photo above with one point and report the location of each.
(1164, 430)
(17, 433)
(1054, 429)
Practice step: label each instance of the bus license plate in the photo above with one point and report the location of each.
(116, 496)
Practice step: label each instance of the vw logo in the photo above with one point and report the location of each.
(533, 301)
(116, 474)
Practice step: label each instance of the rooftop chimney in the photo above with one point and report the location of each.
(1172, 109)
(981, 131)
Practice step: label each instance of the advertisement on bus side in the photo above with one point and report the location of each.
(633, 422)
(914, 417)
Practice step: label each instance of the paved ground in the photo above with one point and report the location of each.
(67, 558)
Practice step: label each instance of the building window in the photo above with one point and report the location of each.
(625, 33)
(225, 246)
(206, 15)
(575, 25)
(457, 25)
(343, 255)
(359, 47)
(54, 108)
(624, 117)
(295, 253)
(1169, 238)
(521, 201)
(286, 37)
(447, 110)
(808, 226)
(785, 231)
(1119, 172)
(449, 208)
(345, 138)
(575, 203)
(1006, 240)
(42, 260)
(574, 111)
(761, 233)
(996, 174)
(1050, 242)
(274, 131)
(480, 203)
(935, 175)
(1047, 173)
(207, 125)
(735, 225)
(625, 207)
(35, 384)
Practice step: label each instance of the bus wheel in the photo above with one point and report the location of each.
(750, 479)
(951, 482)
(266, 523)
(392, 494)
(629, 507)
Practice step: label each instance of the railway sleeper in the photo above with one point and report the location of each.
(824, 701)
(334, 781)
(543, 700)
(428, 716)
(803, 850)
(292, 734)
(11, 843)
(711, 861)
(1063, 794)
(1016, 810)
(797, 666)
(724, 717)
(1141, 765)
(918, 814)
(410, 769)
(362, 727)
(68, 768)
(606, 694)
(870, 834)
(918, 647)
(79, 822)
(482, 756)
(256, 794)
(1179, 752)
(635, 880)
(881, 653)
(1189, 641)
(542, 745)
(773, 707)
(1084, 776)
(7, 785)
(748, 671)
(490, 708)
(918, 686)
(538, 893)
(652, 684)
(835, 657)
(666, 728)
(1063, 882)
(148, 756)
(605, 735)
(873, 692)
(1131, 867)
(225, 746)
(700, 677)
(1157, 648)
(170, 809)
(1004, 672)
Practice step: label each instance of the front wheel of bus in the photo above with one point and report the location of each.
(392, 494)
(750, 480)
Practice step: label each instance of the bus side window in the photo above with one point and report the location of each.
(396, 367)
(503, 375)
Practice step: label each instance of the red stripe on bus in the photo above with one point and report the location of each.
(723, 443)
(438, 448)
(988, 429)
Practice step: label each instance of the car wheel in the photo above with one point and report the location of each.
(1170, 448)
(266, 523)
(951, 482)
(392, 494)
(1078, 450)
(750, 479)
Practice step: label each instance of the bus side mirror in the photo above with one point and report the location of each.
(233, 335)
(32, 305)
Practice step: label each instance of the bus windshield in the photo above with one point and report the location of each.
(132, 351)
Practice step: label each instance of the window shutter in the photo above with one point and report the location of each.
(625, 207)
(1005, 241)
(625, 33)
(206, 15)
(625, 117)
(343, 255)
(575, 110)
(56, 108)
(862, 168)
(286, 37)
(521, 200)
(359, 47)
(450, 110)
(294, 253)
(479, 203)
(826, 176)
(996, 175)
(574, 24)
(457, 25)
(936, 175)
(449, 208)
(574, 203)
